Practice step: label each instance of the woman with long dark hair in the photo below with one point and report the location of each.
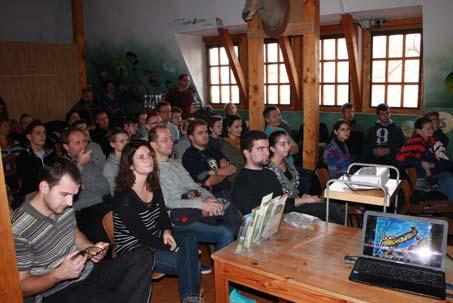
(140, 220)
(289, 178)
(336, 155)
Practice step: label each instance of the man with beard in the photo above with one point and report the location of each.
(254, 182)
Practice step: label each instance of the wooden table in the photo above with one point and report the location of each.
(304, 266)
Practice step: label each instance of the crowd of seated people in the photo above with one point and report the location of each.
(173, 181)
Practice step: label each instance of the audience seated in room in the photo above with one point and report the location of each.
(273, 119)
(71, 117)
(181, 192)
(231, 109)
(111, 104)
(130, 125)
(118, 138)
(231, 145)
(384, 139)
(183, 143)
(99, 134)
(18, 134)
(141, 221)
(153, 120)
(176, 118)
(336, 155)
(141, 118)
(97, 155)
(31, 160)
(205, 165)
(357, 133)
(433, 170)
(10, 151)
(164, 111)
(438, 133)
(254, 181)
(86, 107)
(48, 244)
(290, 180)
(93, 199)
(215, 130)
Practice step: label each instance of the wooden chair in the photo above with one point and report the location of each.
(355, 213)
(429, 206)
(107, 223)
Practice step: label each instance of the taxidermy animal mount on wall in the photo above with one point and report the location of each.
(273, 14)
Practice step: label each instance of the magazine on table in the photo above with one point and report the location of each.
(263, 222)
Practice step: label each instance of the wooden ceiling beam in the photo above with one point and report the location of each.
(290, 65)
(235, 65)
(350, 35)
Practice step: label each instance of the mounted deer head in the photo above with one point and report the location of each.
(273, 14)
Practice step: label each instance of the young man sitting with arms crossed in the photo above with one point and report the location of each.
(207, 166)
(52, 254)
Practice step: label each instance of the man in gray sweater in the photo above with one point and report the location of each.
(92, 202)
(180, 191)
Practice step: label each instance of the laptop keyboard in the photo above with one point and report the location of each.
(400, 272)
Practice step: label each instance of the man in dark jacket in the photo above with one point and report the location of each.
(384, 139)
(357, 136)
(438, 133)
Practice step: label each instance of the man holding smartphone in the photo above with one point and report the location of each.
(48, 249)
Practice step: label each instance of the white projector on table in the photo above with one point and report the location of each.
(374, 175)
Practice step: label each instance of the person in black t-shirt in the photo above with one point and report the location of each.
(253, 182)
(206, 166)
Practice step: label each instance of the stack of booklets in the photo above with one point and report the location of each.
(262, 223)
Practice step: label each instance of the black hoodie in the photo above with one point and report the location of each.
(389, 136)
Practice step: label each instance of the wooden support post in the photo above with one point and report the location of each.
(9, 278)
(290, 65)
(255, 71)
(78, 37)
(311, 85)
(350, 35)
(234, 61)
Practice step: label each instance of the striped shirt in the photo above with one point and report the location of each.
(139, 224)
(42, 242)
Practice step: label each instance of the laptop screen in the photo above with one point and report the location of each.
(404, 239)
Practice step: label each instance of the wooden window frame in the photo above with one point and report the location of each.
(219, 65)
(280, 61)
(332, 108)
(404, 26)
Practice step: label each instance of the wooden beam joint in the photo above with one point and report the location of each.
(235, 65)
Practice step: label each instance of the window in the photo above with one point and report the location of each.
(276, 82)
(334, 72)
(395, 69)
(222, 85)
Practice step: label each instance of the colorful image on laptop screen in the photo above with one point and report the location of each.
(401, 240)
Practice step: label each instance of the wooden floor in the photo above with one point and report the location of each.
(165, 290)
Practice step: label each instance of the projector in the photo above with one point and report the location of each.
(373, 175)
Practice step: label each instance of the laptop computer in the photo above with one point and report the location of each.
(402, 252)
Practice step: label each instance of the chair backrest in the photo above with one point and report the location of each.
(412, 174)
(323, 177)
(107, 223)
